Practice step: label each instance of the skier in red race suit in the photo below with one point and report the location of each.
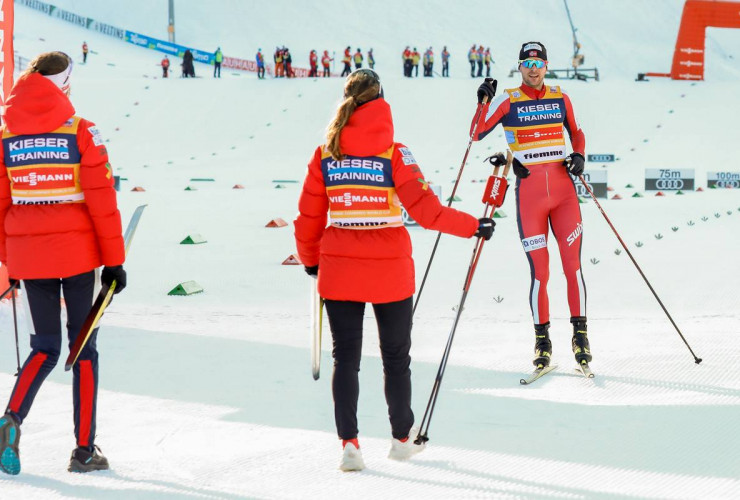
(535, 117)
(58, 222)
(360, 177)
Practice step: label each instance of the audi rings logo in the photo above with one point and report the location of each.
(581, 191)
(669, 183)
(727, 184)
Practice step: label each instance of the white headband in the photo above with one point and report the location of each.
(61, 80)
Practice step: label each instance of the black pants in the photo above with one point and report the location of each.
(84, 57)
(480, 68)
(43, 299)
(327, 73)
(446, 69)
(216, 70)
(394, 328)
(260, 71)
(347, 69)
(472, 68)
(407, 67)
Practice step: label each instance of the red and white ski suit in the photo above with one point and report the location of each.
(534, 122)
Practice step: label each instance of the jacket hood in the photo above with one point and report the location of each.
(36, 106)
(369, 130)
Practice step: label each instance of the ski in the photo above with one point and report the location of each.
(317, 308)
(104, 297)
(584, 369)
(539, 372)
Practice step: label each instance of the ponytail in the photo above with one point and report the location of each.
(361, 86)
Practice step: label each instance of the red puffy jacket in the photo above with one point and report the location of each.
(58, 214)
(369, 265)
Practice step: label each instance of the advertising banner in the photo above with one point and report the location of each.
(666, 179)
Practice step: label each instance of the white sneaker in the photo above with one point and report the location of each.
(351, 459)
(403, 450)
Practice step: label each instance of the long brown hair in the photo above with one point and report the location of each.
(360, 87)
(48, 63)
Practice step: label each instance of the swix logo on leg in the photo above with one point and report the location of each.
(572, 237)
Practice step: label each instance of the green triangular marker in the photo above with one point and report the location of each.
(630, 186)
(637, 195)
(190, 189)
(499, 214)
(279, 186)
(581, 200)
(712, 186)
(679, 192)
(186, 288)
(193, 239)
(454, 198)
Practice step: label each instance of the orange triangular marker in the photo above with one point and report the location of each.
(292, 260)
(659, 193)
(699, 189)
(238, 186)
(278, 222)
(138, 189)
(616, 197)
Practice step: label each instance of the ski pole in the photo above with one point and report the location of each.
(15, 326)
(493, 198)
(454, 190)
(583, 181)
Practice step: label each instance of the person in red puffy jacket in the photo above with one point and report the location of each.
(59, 221)
(357, 181)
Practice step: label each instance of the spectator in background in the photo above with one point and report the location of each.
(165, 66)
(347, 60)
(430, 62)
(479, 60)
(445, 62)
(313, 61)
(84, 52)
(370, 59)
(188, 70)
(487, 59)
(325, 60)
(407, 61)
(472, 55)
(260, 64)
(415, 58)
(278, 58)
(288, 62)
(218, 57)
(358, 59)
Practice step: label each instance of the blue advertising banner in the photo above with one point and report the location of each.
(167, 47)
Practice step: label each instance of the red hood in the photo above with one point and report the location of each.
(369, 130)
(36, 106)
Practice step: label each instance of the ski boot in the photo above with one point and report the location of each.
(581, 349)
(542, 345)
(86, 460)
(10, 435)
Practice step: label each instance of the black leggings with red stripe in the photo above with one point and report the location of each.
(394, 329)
(44, 301)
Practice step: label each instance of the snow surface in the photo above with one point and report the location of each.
(210, 396)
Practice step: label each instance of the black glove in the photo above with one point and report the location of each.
(14, 283)
(520, 170)
(312, 271)
(497, 160)
(487, 89)
(575, 163)
(485, 228)
(114, 273)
